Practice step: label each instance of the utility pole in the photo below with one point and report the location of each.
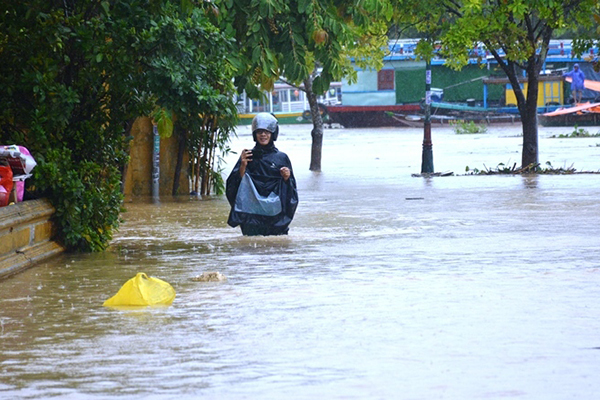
(427, 160)
(155, 162)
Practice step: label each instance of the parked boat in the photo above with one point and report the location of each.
(587, 114)
(479, 92)
(365, 116)
(481, 118)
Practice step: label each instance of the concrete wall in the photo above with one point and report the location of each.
(138, 176)
(26, 236)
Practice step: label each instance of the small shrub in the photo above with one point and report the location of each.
(577, 133)
(501, 168)
(468, 128)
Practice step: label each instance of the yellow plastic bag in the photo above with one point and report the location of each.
(142, 290)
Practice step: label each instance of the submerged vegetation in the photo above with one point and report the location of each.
(577, 133)
(503, 169)
(468, 127)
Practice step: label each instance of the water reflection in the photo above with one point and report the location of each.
(388, 286)
(530, 181)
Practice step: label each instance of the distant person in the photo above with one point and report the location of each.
(261, 189)
(577, 83)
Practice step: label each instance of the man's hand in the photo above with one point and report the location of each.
(245, 158)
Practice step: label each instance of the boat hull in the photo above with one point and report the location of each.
(586, 114)
(589, 119)
(283, 118)
(369, 116)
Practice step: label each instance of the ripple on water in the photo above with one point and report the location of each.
(485, 287)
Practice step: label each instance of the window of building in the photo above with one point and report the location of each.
(385, 79)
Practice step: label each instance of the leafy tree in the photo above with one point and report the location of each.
(190, 79)
(517, 34)
(57, 101)
(308, 42)
(586, 37)
(75, 74)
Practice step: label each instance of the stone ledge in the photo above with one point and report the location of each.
(27, 211)
(18, 261)
(26, 234)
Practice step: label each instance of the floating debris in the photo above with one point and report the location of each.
(142, 290)
(210, 276)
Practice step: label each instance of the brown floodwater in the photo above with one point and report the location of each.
(387, 287)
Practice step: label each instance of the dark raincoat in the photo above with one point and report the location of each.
(273, 212)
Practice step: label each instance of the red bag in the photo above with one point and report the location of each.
(6, 181)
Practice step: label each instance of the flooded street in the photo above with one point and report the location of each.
(387, 287)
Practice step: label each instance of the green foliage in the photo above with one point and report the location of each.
(307, 42)
(57, 100)
(73, 77)
(189, 72)
(468, 128)
(516, 33)
(502, 169)
(218, 182)
(87, 199)
(577, 133)
(519, 27)
(190, 75)
(164, 122)
(290, 38)
(587, 33)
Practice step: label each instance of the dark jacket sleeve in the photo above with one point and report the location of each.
(233, 183)
(291, 192)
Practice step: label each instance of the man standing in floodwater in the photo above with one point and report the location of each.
(261, 188)
(577, 83)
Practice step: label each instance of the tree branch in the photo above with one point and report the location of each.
(453, 8)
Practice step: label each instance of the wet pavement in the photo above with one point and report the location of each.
(387, 287)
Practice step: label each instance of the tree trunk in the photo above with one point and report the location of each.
(181, 137)
(197, 168)
(527, 104)
(211, 159)
(529, 120)
(204, 171)
(317, 132)
(127, 133)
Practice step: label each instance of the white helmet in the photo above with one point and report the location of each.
(267, 122)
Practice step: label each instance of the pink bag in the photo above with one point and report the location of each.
(21, 162)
